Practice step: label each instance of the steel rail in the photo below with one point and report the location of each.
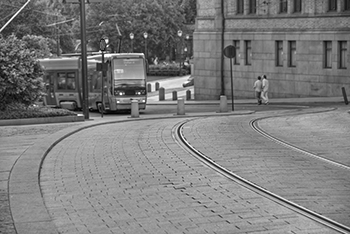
(178, 136)
(254, 124)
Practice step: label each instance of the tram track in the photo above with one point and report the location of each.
(179, 137)
(255, 125)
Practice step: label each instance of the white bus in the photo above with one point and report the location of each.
(125, 80)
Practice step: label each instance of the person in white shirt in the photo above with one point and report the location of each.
(258, 88)
(265, 88)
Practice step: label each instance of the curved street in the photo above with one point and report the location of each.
(123, 175)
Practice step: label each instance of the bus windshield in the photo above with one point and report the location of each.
(128, 73)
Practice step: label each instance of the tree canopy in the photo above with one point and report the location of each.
(161, 19)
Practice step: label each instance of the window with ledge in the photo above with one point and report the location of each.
(346, 5)
(252, 6)
(297, 6)
(279, 53)
(283, 6)
(292, 47)
(327, 54)
(238, 53)
(240, 6)
(342, 54)
(248, 52)
(332, 5)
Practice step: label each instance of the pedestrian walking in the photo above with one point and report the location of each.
(258, 88)
(265, 88)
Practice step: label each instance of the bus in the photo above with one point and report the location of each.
(63, 81)
(125, 80)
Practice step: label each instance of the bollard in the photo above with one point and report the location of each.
(345, 96)
(188, 95)
(223, 104)
(180, 106)
(157, 86)
(174, 95)
(134, 108)
(149, 87)
(161, 94)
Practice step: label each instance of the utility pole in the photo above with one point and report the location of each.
(84, 74)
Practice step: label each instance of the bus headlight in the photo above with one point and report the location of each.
(119, 93)
(140, 92)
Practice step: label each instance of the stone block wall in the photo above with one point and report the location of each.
(309, 29)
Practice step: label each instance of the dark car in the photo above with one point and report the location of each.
(188, 82)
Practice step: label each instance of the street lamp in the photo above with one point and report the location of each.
(179, 33)
(103, 48)
(188, 44)
(131, 35)
(145, 35)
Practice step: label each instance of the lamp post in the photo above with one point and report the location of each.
(179, 33)
(145, 35)
(103, 48)
(187, 44)
(131, 35)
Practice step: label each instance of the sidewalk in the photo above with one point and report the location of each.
(24, 147)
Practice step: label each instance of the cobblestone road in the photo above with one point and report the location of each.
(134, 178)
(307, 181)
(14, 141)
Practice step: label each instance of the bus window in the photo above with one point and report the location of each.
(66, 81)
(128, 69)
(71, 81)
(96, 81)
(61, 81)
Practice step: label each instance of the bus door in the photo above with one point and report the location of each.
(50, 89)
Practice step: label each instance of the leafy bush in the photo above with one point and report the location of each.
(20, 73)
(19, 111)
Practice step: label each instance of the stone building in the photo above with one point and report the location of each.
(303, 46)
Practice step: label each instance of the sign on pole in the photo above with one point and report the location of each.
(230, 52)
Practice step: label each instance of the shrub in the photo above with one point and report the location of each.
(20, 73)
(19, 111)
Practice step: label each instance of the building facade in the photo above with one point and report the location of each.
(303, 46)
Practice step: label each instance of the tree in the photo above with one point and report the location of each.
(20, 73)
(39, 18)
(161, 19)
(38, 45)
(190, 7)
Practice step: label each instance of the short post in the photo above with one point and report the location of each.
(157, 86)
(344, 96)
(180, 106)
(223, 104)
(161, 94)
(188, 95)
(174, 95)
(149, 87)
(134, 109)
